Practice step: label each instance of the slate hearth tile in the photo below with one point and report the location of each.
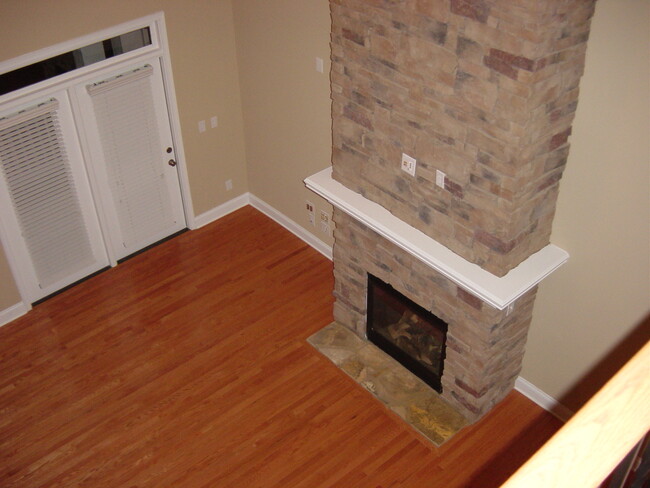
(336, 342)
(363, 374)
(397, 388)
(372, 356)
(427, 425)
(401, 391)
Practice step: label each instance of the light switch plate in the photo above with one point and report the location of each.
(440, 178)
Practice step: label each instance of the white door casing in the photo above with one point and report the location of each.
(77, 136)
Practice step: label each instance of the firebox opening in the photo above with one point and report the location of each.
(409, 333)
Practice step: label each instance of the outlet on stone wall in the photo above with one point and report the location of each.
(408, 164)
(324, 222)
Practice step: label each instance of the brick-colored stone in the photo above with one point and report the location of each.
(354, 37)
(559, 139)
(473, 9)
(519, 62)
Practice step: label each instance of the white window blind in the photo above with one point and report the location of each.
(126, 119)
(37, 173)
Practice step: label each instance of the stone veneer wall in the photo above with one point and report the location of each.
(483, 90)
(485, 346)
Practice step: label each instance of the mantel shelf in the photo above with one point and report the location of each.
(500, 292)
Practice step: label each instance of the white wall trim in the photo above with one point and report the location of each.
(222, 210)
(542, 399)
(291, 226)
(13, 312)
(175, 122)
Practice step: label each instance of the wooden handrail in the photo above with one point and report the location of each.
(591, 444)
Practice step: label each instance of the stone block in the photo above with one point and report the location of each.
(478, 92)
(478, 10)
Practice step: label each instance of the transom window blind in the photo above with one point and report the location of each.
(37, 172)
(125, 113)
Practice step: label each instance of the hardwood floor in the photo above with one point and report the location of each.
(187, 366)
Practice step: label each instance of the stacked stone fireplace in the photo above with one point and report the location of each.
(485, 92)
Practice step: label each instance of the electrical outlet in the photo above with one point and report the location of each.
(214, 122)
(310, 212)
(201, 125)
(319, 65)
(324, 222)
(408, 164)
(440, 178)
(228, 185)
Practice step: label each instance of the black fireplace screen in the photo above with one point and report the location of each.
(412, 335)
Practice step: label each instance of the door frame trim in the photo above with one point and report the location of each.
(159, 47)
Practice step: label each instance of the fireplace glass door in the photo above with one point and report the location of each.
(410, 334)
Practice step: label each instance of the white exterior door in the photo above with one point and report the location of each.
(47, 213)
(130, 155)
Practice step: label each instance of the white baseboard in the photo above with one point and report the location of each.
(545, 401)
(13, 312)
(250, 199)
(222, 210)
(291, 226)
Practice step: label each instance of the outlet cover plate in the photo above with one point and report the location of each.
(408, 164)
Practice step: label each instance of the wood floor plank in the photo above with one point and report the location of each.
(187, 366)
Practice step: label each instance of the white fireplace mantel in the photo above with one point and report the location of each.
(500, 292)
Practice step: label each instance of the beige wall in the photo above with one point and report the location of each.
(603, 213)
(202, 44)
(8, 292)
(286, 102)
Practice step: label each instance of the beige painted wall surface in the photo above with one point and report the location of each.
(8, 292)
(603, 212)
(286, 102)
(202, 48)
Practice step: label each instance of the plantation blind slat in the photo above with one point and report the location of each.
(37, 173)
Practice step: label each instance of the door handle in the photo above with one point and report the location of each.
(171, 162)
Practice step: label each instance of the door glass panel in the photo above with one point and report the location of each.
(72, 60)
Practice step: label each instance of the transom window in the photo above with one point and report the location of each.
(75, 59)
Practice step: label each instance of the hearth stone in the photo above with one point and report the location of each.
(396, 387)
